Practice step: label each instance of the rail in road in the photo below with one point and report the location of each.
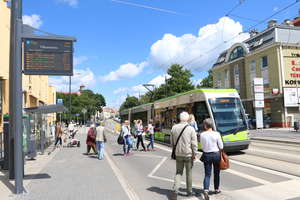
(265, 171)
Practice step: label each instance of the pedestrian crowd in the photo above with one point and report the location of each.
(133, 137)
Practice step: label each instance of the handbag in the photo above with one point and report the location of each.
(120, 139)
(173, 155)
(224, 162)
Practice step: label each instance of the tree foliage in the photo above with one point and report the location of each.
(130, 102)
(179, 81)
(207, 82)
(86, 100)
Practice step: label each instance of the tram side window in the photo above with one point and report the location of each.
(201, 113)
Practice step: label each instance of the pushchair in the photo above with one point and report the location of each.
(71, 140)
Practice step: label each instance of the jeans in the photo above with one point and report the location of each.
(100, 149)
(181, 163)
(58, 139)
(209, 160)
(127, 145)
(151, 138)
(140, 139)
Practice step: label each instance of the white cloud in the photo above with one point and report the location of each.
(81, 76)
(120, 90)
(33, 20)
(125, 71)
(79, 60)
(72, 3)
(117, 102)
(197, 52)
(156, 81)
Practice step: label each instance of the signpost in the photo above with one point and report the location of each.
(43, 55)
(83, 111)
(48, 57)
(259, 103)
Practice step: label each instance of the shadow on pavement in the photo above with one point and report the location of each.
(118, 154)
(36, 176)
(4, 179)
(166, 192)
(235, 153)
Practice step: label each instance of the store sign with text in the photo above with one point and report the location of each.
(292, 69)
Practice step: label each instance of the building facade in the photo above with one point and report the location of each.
(36, 89)
(274, 55)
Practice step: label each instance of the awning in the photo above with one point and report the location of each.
(46, 109)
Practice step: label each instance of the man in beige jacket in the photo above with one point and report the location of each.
(100, 140)
(186, 150)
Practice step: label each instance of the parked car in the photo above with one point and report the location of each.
(252, 121)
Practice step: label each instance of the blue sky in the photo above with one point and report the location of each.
(123, 44)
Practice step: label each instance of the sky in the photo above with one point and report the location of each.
(122, 44)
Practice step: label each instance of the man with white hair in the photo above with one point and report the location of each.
(185, 152)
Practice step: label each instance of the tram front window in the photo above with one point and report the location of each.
(228, 115)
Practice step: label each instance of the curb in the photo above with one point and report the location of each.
(274, 140)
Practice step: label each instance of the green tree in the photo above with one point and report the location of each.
(180, 80)
(86, 100)
(207, 82)
(131, 101)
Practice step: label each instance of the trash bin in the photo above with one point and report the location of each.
(296, 125)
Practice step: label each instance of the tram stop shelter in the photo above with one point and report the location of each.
(39, 137)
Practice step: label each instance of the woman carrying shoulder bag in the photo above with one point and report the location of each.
(212, 144)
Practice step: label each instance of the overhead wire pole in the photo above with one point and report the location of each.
(15, 92)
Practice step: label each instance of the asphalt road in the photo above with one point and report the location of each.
(253, 173)
(265, 171)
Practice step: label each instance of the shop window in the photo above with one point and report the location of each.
(264, 61)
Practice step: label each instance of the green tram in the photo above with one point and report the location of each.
(222, 105)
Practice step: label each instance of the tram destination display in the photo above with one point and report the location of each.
(48, 57)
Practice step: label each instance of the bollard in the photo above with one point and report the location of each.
(296, 125)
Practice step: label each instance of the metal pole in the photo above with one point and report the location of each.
(70, 97)
(15, 92)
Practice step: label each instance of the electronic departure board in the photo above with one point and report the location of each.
(48, 57)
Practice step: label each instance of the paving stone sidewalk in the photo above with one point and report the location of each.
(287, 135)
(71, 175)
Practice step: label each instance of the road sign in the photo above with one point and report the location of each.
(84, 110)
(77, 114)
(59, 101)
(48, 57)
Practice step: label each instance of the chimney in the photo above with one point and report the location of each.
(288, 22)
(253, 33)
(272, 23)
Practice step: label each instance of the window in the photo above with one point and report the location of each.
(264, 62)
(201, 113)
(236, 53)
(227, 78)
(237, 77)
(252, 74)
(219, 85)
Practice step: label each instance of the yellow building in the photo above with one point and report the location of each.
(274, 55)
(36, 89)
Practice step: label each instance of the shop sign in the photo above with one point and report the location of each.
(259, 96)
(291, 98)
(259, 104)
(292, 69)
(258, 88)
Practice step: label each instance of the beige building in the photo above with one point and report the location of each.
(274, 55)
(36, 89)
